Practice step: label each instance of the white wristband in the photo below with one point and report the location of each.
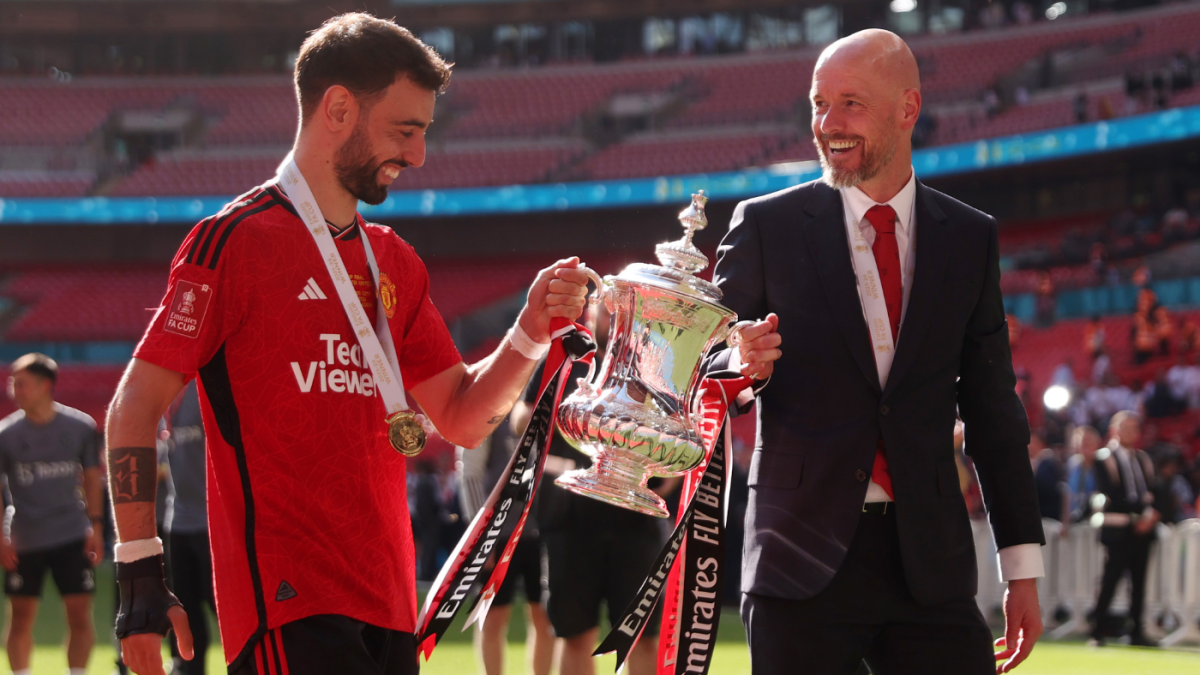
(130, 551)
(520, 341)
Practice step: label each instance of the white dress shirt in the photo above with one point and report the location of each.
(1023, 561)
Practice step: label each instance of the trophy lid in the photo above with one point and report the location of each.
(679, 260)
(683, 254)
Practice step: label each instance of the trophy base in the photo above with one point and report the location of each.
(620, 483)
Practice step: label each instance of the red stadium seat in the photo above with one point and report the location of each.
(659, 155)
(100, 302)
(45, 183)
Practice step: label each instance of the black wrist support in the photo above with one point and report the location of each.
(145, 598)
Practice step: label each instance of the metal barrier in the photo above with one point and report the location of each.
(1074, 566)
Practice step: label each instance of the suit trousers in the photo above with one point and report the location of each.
(866, 613)
(1125, 552)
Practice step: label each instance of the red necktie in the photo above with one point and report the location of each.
(887, 259)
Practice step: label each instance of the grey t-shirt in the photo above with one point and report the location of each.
(42, 467)
(187, 510)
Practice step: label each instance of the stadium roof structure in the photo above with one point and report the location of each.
(1006, 152)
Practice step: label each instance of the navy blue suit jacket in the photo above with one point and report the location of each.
(823, 412)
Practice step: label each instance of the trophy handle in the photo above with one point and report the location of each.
(731, 332)
(598, 294)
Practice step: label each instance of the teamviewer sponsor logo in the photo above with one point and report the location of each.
(312, 291)
(325, 375)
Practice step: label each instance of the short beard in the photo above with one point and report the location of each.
(872, 163)
(356, 169)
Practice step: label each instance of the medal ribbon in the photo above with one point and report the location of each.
(379, 353)
(691, 594)
(874, 307)
(493, 528)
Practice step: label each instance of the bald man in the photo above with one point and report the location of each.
(858, 545)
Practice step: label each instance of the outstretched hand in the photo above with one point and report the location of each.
(560, 290)
(1022, 624)
(142, 653)
(757, 346)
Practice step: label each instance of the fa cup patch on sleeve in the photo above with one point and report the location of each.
(185, 314)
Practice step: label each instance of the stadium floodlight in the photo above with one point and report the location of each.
(902, 6)
(1054, 11)
(1056, 398)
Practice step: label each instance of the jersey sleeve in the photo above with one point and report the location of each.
(204, 303)
(425, 345)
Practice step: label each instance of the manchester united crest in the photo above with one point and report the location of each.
(387, 293)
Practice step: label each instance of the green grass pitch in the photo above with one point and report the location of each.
(455, 655)
(457, 658)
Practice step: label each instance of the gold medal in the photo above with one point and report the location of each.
(406, 433)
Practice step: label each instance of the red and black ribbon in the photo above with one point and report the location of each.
(496, 529)
(691, 593)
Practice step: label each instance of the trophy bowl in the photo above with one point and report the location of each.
(635, 418)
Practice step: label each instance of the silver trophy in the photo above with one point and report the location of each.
(635, 419)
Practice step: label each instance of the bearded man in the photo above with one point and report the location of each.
(887, 297)
(304, 325)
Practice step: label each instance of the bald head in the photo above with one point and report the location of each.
(876, 53)
(866, 96)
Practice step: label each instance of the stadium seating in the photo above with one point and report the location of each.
(102, 302)
(198, 175)
(116, 302)
(1040, 351)
(1026, 281)
(458, 287)
(487, 104)
(693, 153)
(461, 286)
(249, 121)
(799, 150)
(45, 183)
(228, 173)
(255, 112)
(750, 90)
(1047, 232)
(50, 114)
(1059, 111)
(502, 165)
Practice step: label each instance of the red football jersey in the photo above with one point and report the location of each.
(307, 506)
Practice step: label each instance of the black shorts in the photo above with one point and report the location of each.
(68, 563)
(525, 570)
(584, 569)
(330, 643)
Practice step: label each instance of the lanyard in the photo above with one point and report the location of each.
(376, 341)
(871, 293)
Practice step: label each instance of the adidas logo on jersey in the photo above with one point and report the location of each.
(312, 291)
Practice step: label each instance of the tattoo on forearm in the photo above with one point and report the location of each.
(497, 419)
(132, 474)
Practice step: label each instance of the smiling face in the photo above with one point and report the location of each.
(855, 134)
(388, 137)
(865, 100)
